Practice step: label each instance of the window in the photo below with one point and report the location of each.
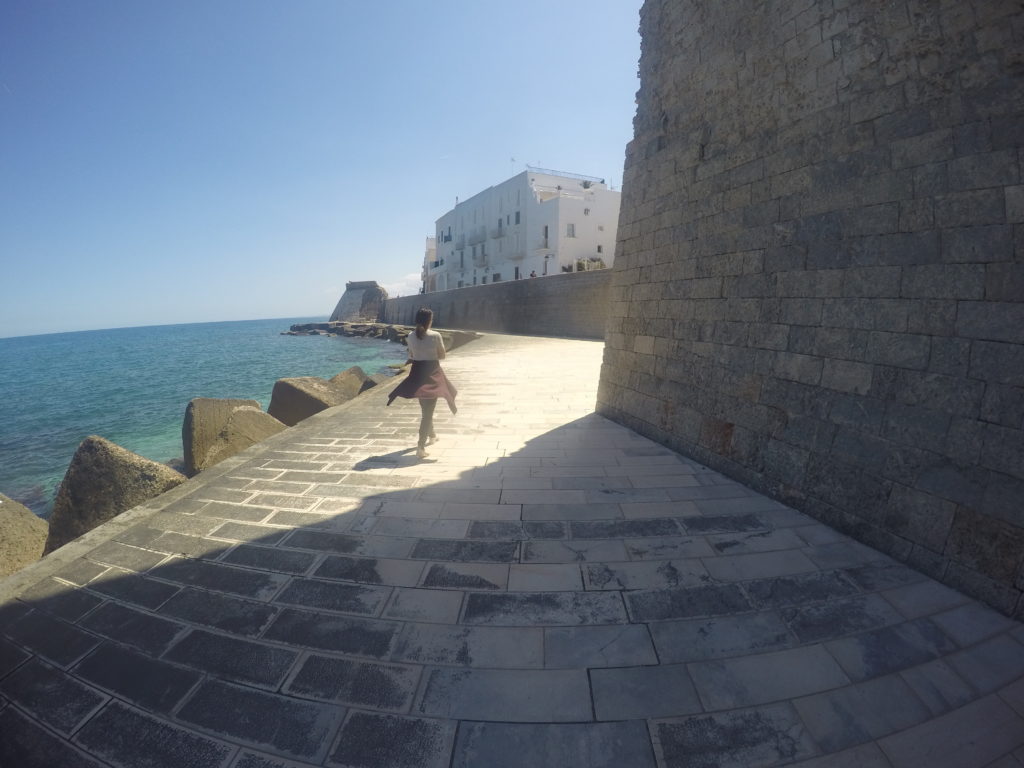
(600, 249)
(496, 277)
(483, 280)
(461, 284)
(600, 227)
(586, 211)
(517, 217)
(508, 219)
(474, 251)
(518, 276)
(570, 230)
(462, 260)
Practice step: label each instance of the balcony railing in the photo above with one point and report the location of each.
(497, 232)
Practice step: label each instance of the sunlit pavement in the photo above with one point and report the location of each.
(546, 589)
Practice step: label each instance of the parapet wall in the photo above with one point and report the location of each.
(572, 305)
(820, 272)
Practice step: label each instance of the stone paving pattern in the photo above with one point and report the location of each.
(547, 589)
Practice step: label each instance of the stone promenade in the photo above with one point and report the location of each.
(546, 589)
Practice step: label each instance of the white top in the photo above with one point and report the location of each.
(430, 347)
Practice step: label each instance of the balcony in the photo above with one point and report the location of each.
(497, 232)
(480, 260)
(515, 255)
(476, 236)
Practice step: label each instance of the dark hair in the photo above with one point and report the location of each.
(424, 317)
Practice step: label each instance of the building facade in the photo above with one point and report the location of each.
(535, 223)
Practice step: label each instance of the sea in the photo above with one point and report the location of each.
(132, 385)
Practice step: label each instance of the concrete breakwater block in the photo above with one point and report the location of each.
(102, 481)
(22, 536)
(299, 398)
(216, 428)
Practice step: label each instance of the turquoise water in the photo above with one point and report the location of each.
(131, 386)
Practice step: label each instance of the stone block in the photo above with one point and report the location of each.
(150, 683)
(509, 745)
(370, 739)
(985, 544)
(52, 696)
(977, 244)
(506, 695)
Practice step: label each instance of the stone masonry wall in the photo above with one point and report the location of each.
(819, 283)
(572, 305)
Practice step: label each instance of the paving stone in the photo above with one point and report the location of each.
(361, 599)
(132, 588)
(684, 603)
(59, 599)
(697, 639)
(864, 756)
(573, 512)
(51, 638)
(389, 687)
(972, 735)
(882, 575)
(371, 740)
(124, 556)
(262, 534)
(938, 686)
(744, 505)
(417, 528)
(508, 647)
(231, 614)
(842, 554)
(25, 743)
(972, 623)
(668, 548)
(127, 738)
(233, 658)
(638, 693)
(573, 551)
(147, 682)
(628, 645)
(11, 656)
(923, 598)
(554, 695)
(769, 735)
(52, 696)
(826, 621)
(466, 551)
(594, 745)
(260, 585)
(458, 511)
(759, 541)
(189, 546)
(646, 575)
(371, 570)
(293, 519)
(737, 523)
(889, 649)
(466, 576)
(225, 511)
(80, 572)
(542, 577)
(515, 530)
(623, 529)
(860, 713)
(758, 679)
(544, 609)
(434, 605)
(359, 637)
(759, 565)
(189, 523)
(127, 625)
(991, 664)
(298, 729)
(795, 590)
(270, 559)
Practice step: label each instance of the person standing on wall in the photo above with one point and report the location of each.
(426, 380)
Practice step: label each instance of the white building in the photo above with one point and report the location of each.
(540, 222)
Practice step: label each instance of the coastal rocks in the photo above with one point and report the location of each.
(299, 398)
(102, 481)
(395, 333)
(22, 536)
(216, 428)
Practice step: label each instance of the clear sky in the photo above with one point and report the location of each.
(166, 162)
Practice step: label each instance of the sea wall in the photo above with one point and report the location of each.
(819, 287)
(571, 305)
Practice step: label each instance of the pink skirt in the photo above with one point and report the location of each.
(426, 380)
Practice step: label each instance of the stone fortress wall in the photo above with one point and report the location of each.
(571, 305)
(819, 282)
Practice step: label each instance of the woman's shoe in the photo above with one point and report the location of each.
(421, 452)
(431, 439)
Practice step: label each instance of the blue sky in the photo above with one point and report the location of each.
(196, 160)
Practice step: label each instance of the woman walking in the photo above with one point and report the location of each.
(426, 381)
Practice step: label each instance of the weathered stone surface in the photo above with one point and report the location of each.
(102, 481)
(215, 429)
(817, 287)
(22, 536)
(295, 399)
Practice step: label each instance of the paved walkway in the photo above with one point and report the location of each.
(548, 589)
